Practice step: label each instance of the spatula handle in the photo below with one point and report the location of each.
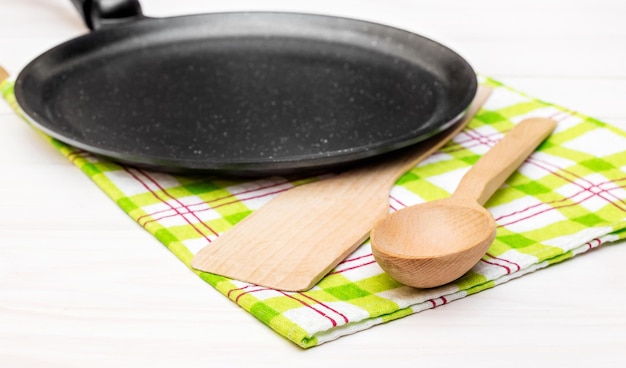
(488, 174)
(389, 171)
(3, 74)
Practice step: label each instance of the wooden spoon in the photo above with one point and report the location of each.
(434, 243)
(299, 236)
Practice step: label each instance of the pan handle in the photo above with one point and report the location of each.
(102, 13)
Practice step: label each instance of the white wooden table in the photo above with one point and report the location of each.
(123, 300)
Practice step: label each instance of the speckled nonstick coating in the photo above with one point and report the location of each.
(245, 93)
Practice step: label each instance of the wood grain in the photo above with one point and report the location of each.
(488, 174)
(299, 236)
(434, 243)
(121, 299)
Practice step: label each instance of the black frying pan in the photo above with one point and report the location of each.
(242, 93)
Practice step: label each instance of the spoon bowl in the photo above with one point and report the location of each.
(428, 255)
(434, 243)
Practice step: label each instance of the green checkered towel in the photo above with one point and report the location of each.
(567, 198)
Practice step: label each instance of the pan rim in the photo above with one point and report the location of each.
(245, 167)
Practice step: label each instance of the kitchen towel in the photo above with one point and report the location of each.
(568, 197)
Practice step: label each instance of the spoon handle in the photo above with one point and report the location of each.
(490, 172)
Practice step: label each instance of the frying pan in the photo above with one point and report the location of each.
(244, 93)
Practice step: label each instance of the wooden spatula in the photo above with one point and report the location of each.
(299, 236)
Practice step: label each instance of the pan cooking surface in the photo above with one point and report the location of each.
(177, 94)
